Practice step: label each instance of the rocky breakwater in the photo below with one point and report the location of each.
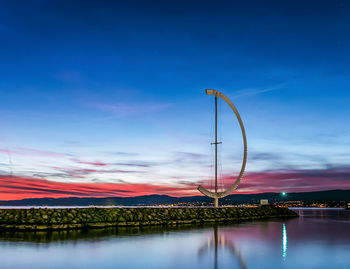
(94, 217)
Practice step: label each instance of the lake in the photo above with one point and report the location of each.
(319, 238)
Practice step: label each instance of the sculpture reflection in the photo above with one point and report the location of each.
(221, 241)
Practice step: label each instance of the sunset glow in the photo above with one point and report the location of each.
(92, 105)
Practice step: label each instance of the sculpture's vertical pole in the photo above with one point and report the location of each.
(216, 151)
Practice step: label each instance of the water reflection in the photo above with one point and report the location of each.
(90, 234)
(317, 239)
(221, 241)
(284, 242)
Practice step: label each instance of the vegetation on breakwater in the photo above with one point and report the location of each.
(73, 218)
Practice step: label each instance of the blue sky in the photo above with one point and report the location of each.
(122, 83)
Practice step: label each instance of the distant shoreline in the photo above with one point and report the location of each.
(313, 208)
(165, 206)
(331, 198)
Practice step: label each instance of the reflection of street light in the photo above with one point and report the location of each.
(284, 242)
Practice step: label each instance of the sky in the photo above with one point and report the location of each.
(107, 98)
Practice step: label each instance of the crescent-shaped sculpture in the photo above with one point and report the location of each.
(216, 195)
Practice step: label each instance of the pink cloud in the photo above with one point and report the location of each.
(290, 180)
(32, 152)
(95, 163)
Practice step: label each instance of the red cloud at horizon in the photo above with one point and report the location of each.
(16, 187)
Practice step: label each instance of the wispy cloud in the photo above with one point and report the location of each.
(73, 173)
(133, 164)
(99, 163)
(255, 91)
(190, 158)
(122, 153)
(32, 152)
(94, 163)
(130, 109)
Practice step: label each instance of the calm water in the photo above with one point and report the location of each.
(317, 239)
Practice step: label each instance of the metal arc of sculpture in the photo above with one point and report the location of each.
(216, 195)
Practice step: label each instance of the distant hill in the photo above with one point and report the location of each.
(308, 197)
